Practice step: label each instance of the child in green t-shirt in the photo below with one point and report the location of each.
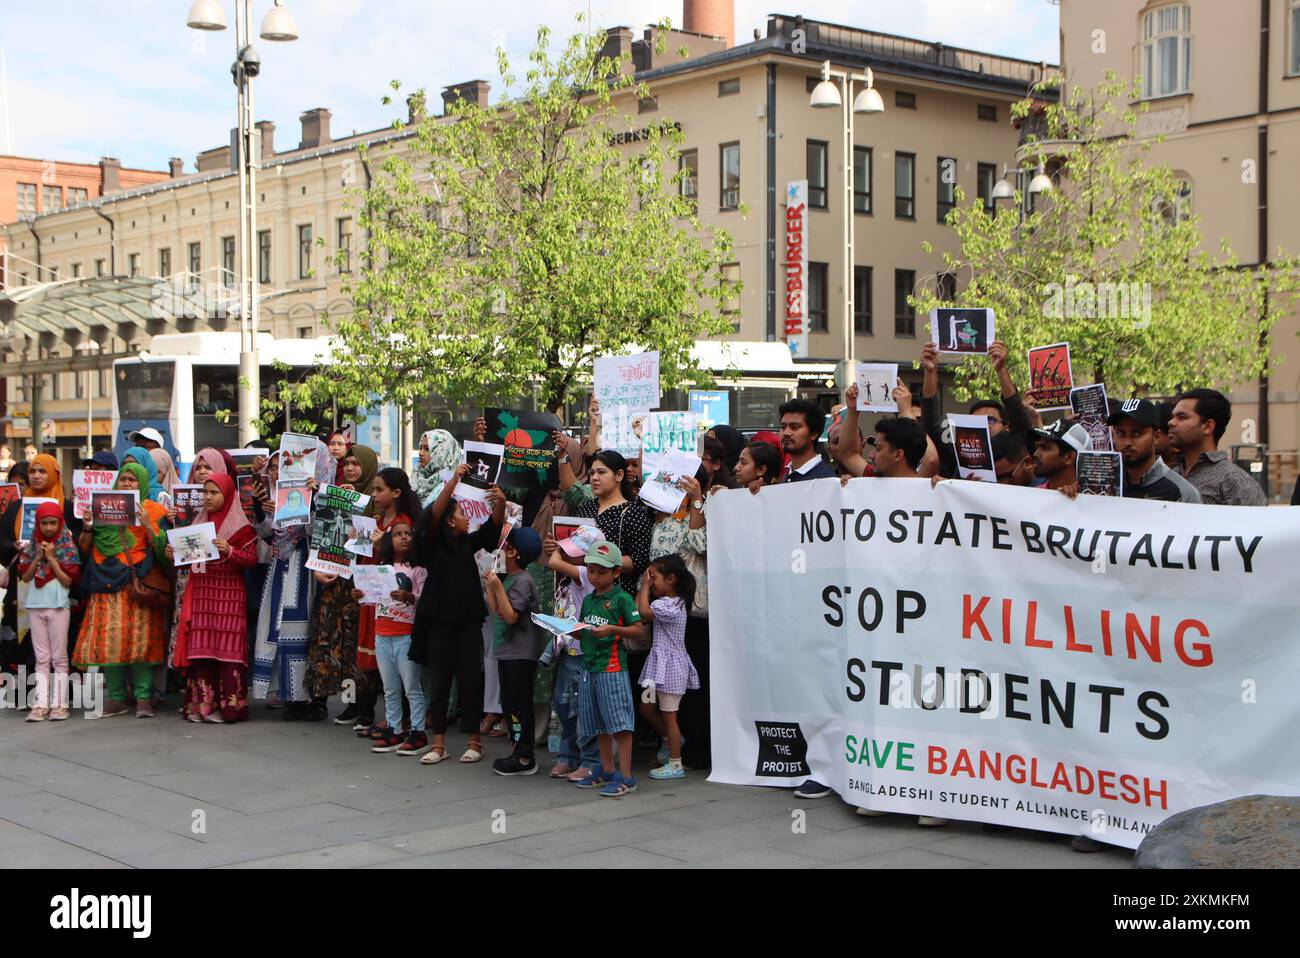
(605, 706)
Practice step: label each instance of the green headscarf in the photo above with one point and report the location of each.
(369, 467)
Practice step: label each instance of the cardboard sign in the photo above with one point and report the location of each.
(193, 544)
(292, 502)
(298, 456)
(484, 461)
(974, 447)
(188, 501)
(1090, 405)
(528, 460)
(625, 387)
(1100, 473)
(1050, 377)
(116, 507)
(961, 330)
(331, 529)
(85, 481)
(30, 505)
(876, 383)
(665, 431)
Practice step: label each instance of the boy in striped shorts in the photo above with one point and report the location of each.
(605, 706)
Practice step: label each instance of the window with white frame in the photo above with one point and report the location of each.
(26, 199)
(1167, 50)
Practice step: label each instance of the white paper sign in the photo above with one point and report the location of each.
(376, 583)
(662, 431)
(661, 473)
(625, 386)
(194, 544)
(86, 481)
(359, 544)
(876, 383)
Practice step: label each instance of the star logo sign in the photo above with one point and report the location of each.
(794, 191)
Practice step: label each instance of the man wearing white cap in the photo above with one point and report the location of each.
(1056, 448)
(147, 438)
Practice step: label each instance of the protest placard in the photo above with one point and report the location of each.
(484, 461)
(662, 431)
(1050, 378)
(331, 529)
(85, 481)
(115, 507)
(661, 475)
(188, 501)
(1100, 473)
(876, 383)
(958, 652)
(359, 541)
(30, 505)
(292, 502)
(9, 494)
(297, 456)
(1089, 404)
(249, 485)
(974, 447)
(528, 459)
(193, 544)
(962, 329)
(245, 459)
(375, 582)
(625, 387)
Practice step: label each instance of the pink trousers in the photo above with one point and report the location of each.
(50, 641)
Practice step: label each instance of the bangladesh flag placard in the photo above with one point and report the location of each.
(529, 460)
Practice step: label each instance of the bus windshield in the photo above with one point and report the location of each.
(144, 390)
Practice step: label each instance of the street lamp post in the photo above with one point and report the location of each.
(828, 95)
(278, 26)
(87, 347)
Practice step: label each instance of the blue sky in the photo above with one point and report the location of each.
(132, 81)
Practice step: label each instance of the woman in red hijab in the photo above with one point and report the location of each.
(773, 439)
(212, 643)
(51, 564)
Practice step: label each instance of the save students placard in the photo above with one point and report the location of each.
(1007, 655)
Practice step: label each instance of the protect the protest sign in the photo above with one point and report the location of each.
(625, 387)
(662, 474)
(331, 529)
(115, 507)
(662, 431)
(194, 544)
(297, 456)
(188, 501)
(292, 502)
(1089, 404)
(30, 505)
(1050, 377)
(876, 382)
(961, 329)
(484, 461)
(974, 447)
(85, 481)
(1100, 473)
(528, 461)
(992, 653)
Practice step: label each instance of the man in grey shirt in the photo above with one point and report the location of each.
(1199, 421)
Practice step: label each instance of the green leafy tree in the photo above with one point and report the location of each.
(1108, 262)
(509, 246)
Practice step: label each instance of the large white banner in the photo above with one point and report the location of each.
(998, 654)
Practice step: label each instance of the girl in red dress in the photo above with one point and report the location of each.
(212, 642)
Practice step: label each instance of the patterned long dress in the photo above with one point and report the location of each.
(332, 658)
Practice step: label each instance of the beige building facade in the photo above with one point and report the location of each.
(1221, 81)
(748, 130)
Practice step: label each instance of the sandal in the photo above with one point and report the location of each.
(485, 727)
(473, 753)
(436, 754)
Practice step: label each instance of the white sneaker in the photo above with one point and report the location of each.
(927, 821)
(871, 813)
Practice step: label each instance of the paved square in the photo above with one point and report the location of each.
(267, 793)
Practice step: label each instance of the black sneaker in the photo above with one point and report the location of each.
(372, 732)
(511, 765)
(389, 741)
(363, 723)
(347, 716)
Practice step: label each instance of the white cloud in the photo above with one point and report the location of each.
(139, 85)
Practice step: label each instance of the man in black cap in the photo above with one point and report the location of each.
(1134, 427)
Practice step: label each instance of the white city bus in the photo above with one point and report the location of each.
(186, 385)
